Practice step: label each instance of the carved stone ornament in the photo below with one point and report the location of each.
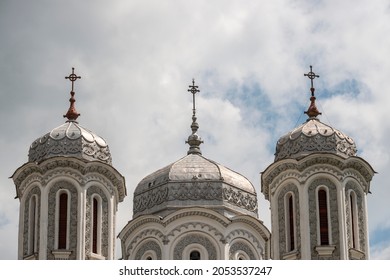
(193, 193)
(194, 239)
(300, 170)
(77, 169)
(70, 139)
(149, 246)
(241, 247)
(312, 137)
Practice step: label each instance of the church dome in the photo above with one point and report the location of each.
(70, 139)
(195, 181)
(312, 137)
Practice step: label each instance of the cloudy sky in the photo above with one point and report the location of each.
(137, 58)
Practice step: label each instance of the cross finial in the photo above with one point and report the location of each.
(73, 77)
(194, 140)
(72, 114)
(193, 89)
(312, 111)
(311, 75)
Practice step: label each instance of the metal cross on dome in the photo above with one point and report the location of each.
(73, 77)
(311, 75)
(193, 89)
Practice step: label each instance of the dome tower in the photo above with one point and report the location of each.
(69, 193)
(317, 188)
(195, 208)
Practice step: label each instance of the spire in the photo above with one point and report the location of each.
(72, 114)
(194, 140)
(312, 111)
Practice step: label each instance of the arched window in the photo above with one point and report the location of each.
(96, 225)
(354, 220)
(33, 225)
(63, 221)
(323, 217)
(290, 222)
(195, 255)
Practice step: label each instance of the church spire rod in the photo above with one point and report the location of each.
(193, 89)
(312, 111)
(72, 114)
(194, 140)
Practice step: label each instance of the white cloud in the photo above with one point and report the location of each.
(137, 58)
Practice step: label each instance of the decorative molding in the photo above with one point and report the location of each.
(47, 147)
(145, 234)
(244, 234)
(191, 226)
(214, 192)
(301, 145)
(241, 246)
(194, 239)
(356, 254)
(81, 171)
(148, 246)
(304, 168)
(61, 254)
(325, 252)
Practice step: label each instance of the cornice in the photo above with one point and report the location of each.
(79, 170)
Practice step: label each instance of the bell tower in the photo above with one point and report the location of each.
(317, 188)
(69, 193)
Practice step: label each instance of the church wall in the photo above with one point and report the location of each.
(31, 228)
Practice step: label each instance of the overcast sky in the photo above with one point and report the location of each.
(137, 58)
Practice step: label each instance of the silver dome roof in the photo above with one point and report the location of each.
(195, 181)
(70, 139)
(313, 136)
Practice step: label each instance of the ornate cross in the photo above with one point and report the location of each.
(311, 75)
(73, 77)
(193, 89)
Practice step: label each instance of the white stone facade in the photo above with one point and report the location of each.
(195, 229)
(39, 187)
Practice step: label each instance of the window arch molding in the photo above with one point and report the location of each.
(195, 247)
(241, 255)
(240, 247)
(149, 255)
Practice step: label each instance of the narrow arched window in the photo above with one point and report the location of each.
(323, 217)
(195, 255)
(95, 225)
(291, 222)
(62, 220)
(33, 225)
(354, 219)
